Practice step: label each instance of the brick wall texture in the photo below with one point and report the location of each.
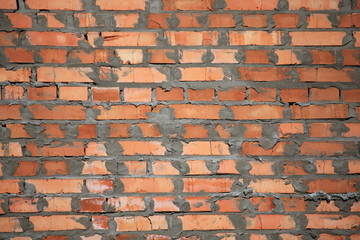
(179, 119)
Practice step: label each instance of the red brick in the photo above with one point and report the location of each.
(294, 168)
(10, 186)
(121, 130)
(224, 55)
(18, 75)
(331, 185)
(201, 94)
(60, 112)
(286, 57)
(165, 56)
(142, 148)
(351, 95)
(262, 94)
(20, 55)
(351, 56)
(136, 167)
(141, 223)
(174, 94)
(326, 148)
(322, 57)
(122, 112)
(208, 185)
(286, 20)
(13, 92)
(325, 236)
(121, 5)
(256, 38)
(192, 55)
(100, 222)
(121, 204)
(52, 19)
(271, 186)
(294, 95)
(188, 38)
(137, 94)
(202, 74)
(263, 204)
(58, 204)
(350, 20)
(11, 149)
(357, 38)
(10, 225)
(17, 131)
(57, 185)
(270, 222)
(55, 5)
(325, 75)
(139, 75)
(9, 38)
(319, 20)
(325, 206)
(205, 148)
(56, 167)
(129, 20)
(257, 112)
(41, 93)
(23, 205)
(92, 204)
(53, 39)
(190, 111)
(199, 204)
(95, 168)
(354, 130)
(26, 168)
(327, 94)
(87, 131)
(206, 222)
(8, 4)
(257, 56)
(225, 20)
(159, 20)
(261, 168)
(86, 19)
(294, 204)
(106, 94)
(186, 5)
(53, 131)
(326, 221)
(165, 204)
(229, 205)
(314, 4)
(251, 5)
(58, 222)
(63, 74)
(317, 38)
(320, 111)
(264, 74)
(254, 148)
(20, 20)
(289, 129)
(198, 167)
(96, 149)
(232, 94)
(324, 167)
(259, 20)
(118, 39)
(99, 185)
(189, 20)
(194, 131)
(147, 185)
(227, 167)
(53, 55)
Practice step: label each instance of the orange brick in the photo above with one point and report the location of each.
(286, 57)
(14, 92)
(328, 94)
(18, 75)
(254, 20)
(205, 148)
(159, 20)
(20, 20)
(58, 222)
(271, 186)
(331, 185)
(188, 38)
(53, 39)
(192, 55)
(10, 112)
(63, 74)
(58, 204)
(320, 111)
(294, 95)
(52, 19)
(317, 38)
(289, 129)
(147, 185)
(57, 185)
(257, 112)
(225, 20)
(206, 222)
(60, 112)
(257, 56)
(53, 55)
(142, 148)
(194, 131)
(190, 111)
(119, 39)
(141, 223)
(185, 5)
(201, 94)
(105, 94)
(326, 148)
(319, 21)
(351, 95)
(10, 225)
(54, 5)
(270, 222)
(23, 205)
(9, 4)
(122, 112)
(314, 4)
(165, 56)
(56, 167)
(251, 5)
(26, 168)
(254, 148)
(41, 93)
(20, 55)
(262, 95)
(322, 57)
(137, 94)
(73, 93)
(255, 38)
(232, 94)
(207, 185)
(129, 20)
(286, 20)
(174, 94)
(264, 74)
(333, 221)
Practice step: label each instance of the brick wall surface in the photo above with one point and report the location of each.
(179, 119)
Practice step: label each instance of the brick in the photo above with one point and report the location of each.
(327, 207)
(191, 111)
(58, 204)
(10, 225)
(194, 131)
(96, 149)
(216, 185)
(105, 94)
(227, 167)
(314, 5)
(136, 167)
(75, 5)
(320, 111)
(63, 74)
(53, 131)
(186, 5)
(353, 130)
(326, 148)
(257, 56)
(129, 20)
(73, 93)
(198, 167)
(86, 19)
(121, 204)
(251, 5)
(287, 57)
(174, 94)
(141, 75)
(256, 38)
(147, 185)
(18, 75)
(141, 223)
(41, 93)
(271, 186)
(87, 131)
(224, 55)
(317, 38)
(20, 55)
(327, 94)
(202, 74)
(119, 39)
(257, 112)
(261, 168)
(270, 222)
(95, 168)
(116, 5)
(119, 130)
(130, 56)
(92, 204)
(349, 20)
(52, 19)
(294, 95)
(319, 21)
(324, 167)
(188, 38)
(225, 20)
(289, 129)
(286, 20)
(10, 186)
(190, 20)
(58, 222)
(23, 205)
(254, 148)
(137, 94)
(264, 74)
(9, 38)
(96, 56)
(11, 149)
(201, 94)
(159, 20)
(294, 168)
(14, 92)
(229, 205)
(258, 20)
(61, 112)
(357, 38)
(333, 221)
(331, 185)
(26, 169)
(192, 55)
(263, 204)
(351, 56)
(122, 112)
(322, 57)
(9, 4)
(53, 55)
(206, 222)
(99, 185)
(165, 56)
(262, 94)
(142, 148)
(294, 204)
(53, 39)
(100, 222)
(17, 131)
(165, 204)
(324, 236)
(205, 148)
(232, 94)
(20, 20)
(57, 185)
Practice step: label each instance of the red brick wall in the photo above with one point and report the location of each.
(179, 119)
